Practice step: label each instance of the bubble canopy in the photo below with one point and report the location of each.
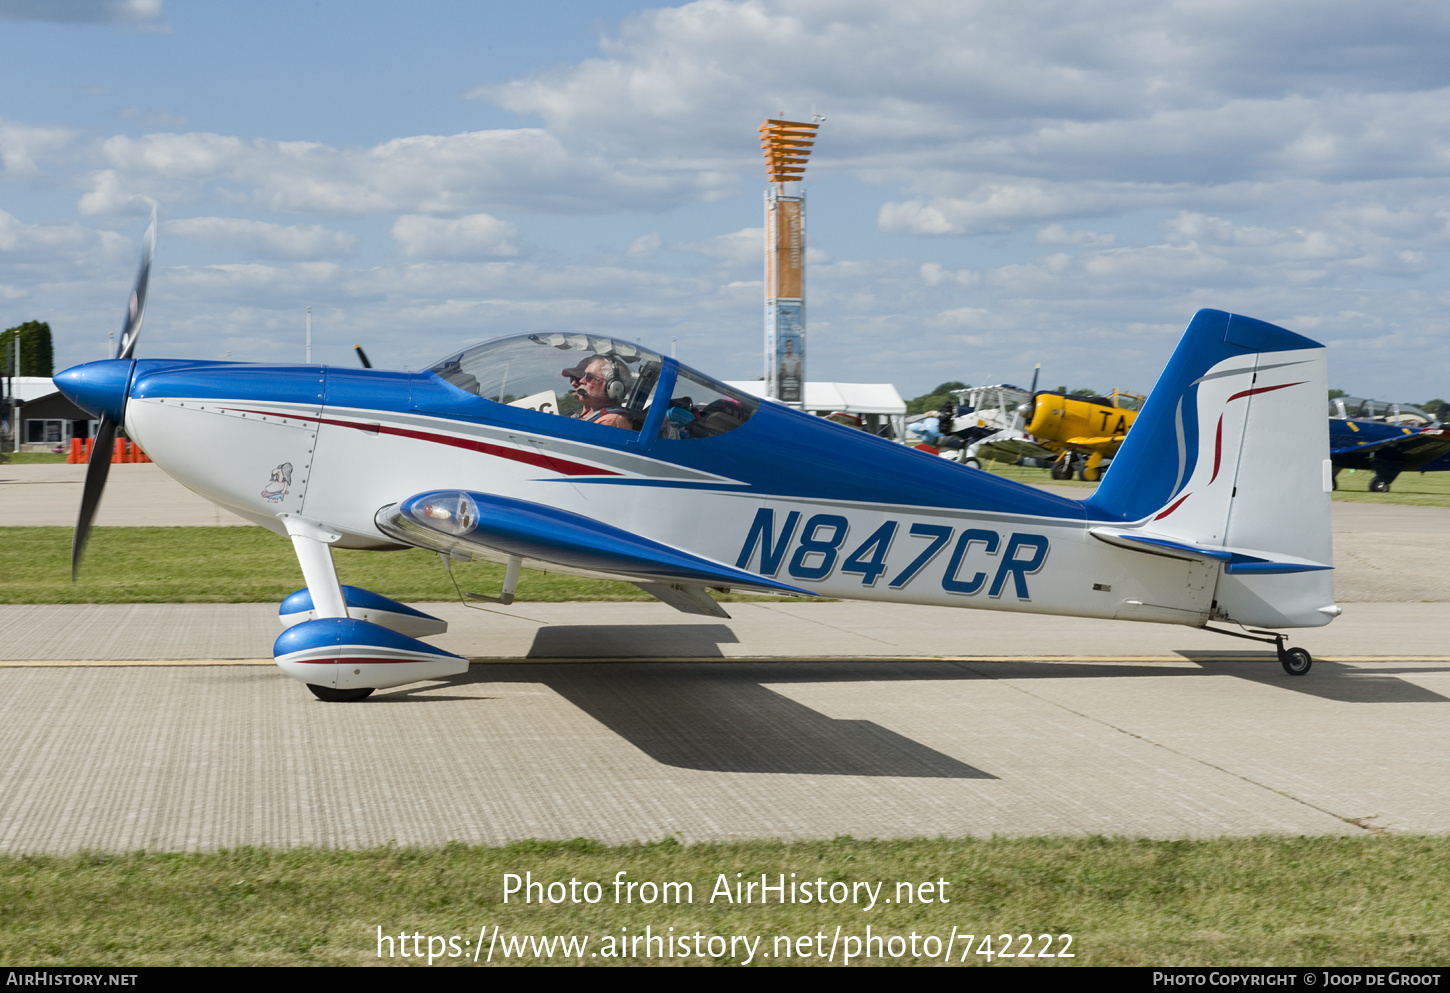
(593, 377)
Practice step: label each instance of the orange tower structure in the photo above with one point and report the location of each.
(787, 146)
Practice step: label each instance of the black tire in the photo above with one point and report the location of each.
(1296, 661)
(972, 462)
(1061, 469)
(1090, 475)
(339, 696)
(1378, 485)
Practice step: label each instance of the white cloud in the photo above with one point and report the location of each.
(264, 240)
(152, 118)
(24, 147)
(107, 197)
(1056, 234)
(645, 246)
(932, 274)
(745, 247)
(65, 242)
(141, 12)
(469, 237)
(523, 168)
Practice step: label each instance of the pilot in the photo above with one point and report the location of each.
(601, 383)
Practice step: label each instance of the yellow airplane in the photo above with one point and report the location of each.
(1081, 425)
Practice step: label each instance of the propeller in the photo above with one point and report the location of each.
(1035, 372)
(363, 356)
(99, 466)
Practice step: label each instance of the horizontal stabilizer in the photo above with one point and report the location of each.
(444, 519)
(1235, 560)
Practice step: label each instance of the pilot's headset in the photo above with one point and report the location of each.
(619, 378)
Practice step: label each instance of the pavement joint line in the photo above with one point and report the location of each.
(612, 660)
(1173, 751)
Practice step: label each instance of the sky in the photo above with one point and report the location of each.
(995, 185)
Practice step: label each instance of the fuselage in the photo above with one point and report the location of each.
(753, 485)
(787, 495)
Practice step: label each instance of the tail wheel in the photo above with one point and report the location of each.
(1296, 661)
(339, 696)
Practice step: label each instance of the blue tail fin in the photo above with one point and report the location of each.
(1161, 452)
(1231, 452)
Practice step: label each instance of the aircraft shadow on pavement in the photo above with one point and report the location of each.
(575, 641)
(720, 718)
(1327, 680)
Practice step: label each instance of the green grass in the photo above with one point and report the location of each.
(34, 458)
(1416, 489)
(247, 565)
(1429, 489)
(1257, 901)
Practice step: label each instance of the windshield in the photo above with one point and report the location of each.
(560, 372)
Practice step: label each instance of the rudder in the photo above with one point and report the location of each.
(1230, 452)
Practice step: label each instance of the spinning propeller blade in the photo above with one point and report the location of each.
(136, 308)
(96, 471)
(1035, 373)
(363, 356)
(99, 466)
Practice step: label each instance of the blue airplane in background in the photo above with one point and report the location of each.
(1387, 439)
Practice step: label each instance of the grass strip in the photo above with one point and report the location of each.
(1365, 900)
(1412, 489)
(248, 565)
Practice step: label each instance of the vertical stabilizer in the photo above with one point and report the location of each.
(1231, 453)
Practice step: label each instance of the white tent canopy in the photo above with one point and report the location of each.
(28, 388)
(878, 403)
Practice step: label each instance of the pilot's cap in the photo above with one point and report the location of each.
(578, 371)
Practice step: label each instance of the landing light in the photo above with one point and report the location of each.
(455, 513)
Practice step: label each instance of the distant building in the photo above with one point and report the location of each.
(878, 405)
(47, 419)
(52, 420)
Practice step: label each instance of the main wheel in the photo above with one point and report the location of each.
(1296, 661)
(339, 696)
(1378, 485)
(1061, 469)
(1090, 475)
(972, 462)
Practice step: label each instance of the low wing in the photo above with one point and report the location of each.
(444, 520)
(1416, 451)
(1100, 442)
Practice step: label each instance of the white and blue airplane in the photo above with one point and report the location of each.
(587, 454)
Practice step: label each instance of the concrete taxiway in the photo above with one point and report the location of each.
(167, 726)
(790, 720)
